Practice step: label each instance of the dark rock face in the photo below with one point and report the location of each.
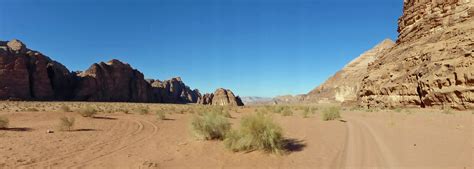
(174, 91)
(29, 75)
(221, 97)
(112, 81)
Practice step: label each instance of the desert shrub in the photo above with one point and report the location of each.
(398, 110)
(331, 113)
(3, 122)
(66, 124)
(447, 110)
(161, 115)
(31, 109)
(256, 132)
(210, 126)
(65, 108)
(143, 110)
(287, 112)
(305, 113)
(87, 111)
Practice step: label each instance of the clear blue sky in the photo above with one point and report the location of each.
(254, 47)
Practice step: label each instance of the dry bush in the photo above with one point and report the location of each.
(210, 126)
(87, 111)
(65, 108)
(143, 110)
(161, 115)
(3, 122)
(287, 112)
(66, 124)
(331, 113)
(32, 109)
(257, 132)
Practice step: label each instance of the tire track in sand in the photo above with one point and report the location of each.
(104, 154)
(364, 148)
(96, 146)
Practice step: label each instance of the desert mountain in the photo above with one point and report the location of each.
(29, 75)
(256, 100)
(221, 97)
(432, 63)
(341, 86)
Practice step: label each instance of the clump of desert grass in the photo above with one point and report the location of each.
(32, 109)
(447, 110)
(210, 126)
(66, 123)
(331, 113)
(161, 115)
(4, 122)
(87, 111)
(256, 132)
(143, 110)
(65, 108)
(287, 112)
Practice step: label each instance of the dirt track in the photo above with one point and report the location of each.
(360, 140)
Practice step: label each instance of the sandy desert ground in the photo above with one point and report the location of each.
(404, 138)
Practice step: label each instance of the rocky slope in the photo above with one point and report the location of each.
(221, 97)
(29, 75)
(341, 86)
(432, 63)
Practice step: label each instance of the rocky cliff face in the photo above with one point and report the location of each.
(29, 75)
(432, 63)
(423, 18)
(112, 81)
(174, 91)
(221, 97)
(343, 86)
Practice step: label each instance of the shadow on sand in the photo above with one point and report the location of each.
(105, 118)
(17, 129)
(293, 145)
(79, 130)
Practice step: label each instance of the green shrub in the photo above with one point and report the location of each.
(161, 115)
(3, 122)
(398, 109)
(306, 113)
(66, 124)
(331, 113)
(210, 126)
(257, 132)
(32, 109)
(65, 108)
(287, 112)
(143, 110)
(88, 112)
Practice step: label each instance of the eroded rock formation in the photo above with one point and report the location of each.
(344, 85)
(29, 75)
(221, 97)
(432, 63)
(174, 91)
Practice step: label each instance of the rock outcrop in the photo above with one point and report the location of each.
(113, 81)
(174, 91)
(432, 62)
(29, 75)
(343, 86)
(221, 97)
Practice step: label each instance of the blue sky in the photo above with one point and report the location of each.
(254, 47)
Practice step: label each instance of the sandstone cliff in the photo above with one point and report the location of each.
(432, 62)
(29, 75)
(112, 81)
(344, 85)
(221, 97)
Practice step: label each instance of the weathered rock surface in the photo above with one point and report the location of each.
(112, 81)
(29, 75)
(432, 63)
(174, 91)
(344, 85)
(221, 97)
